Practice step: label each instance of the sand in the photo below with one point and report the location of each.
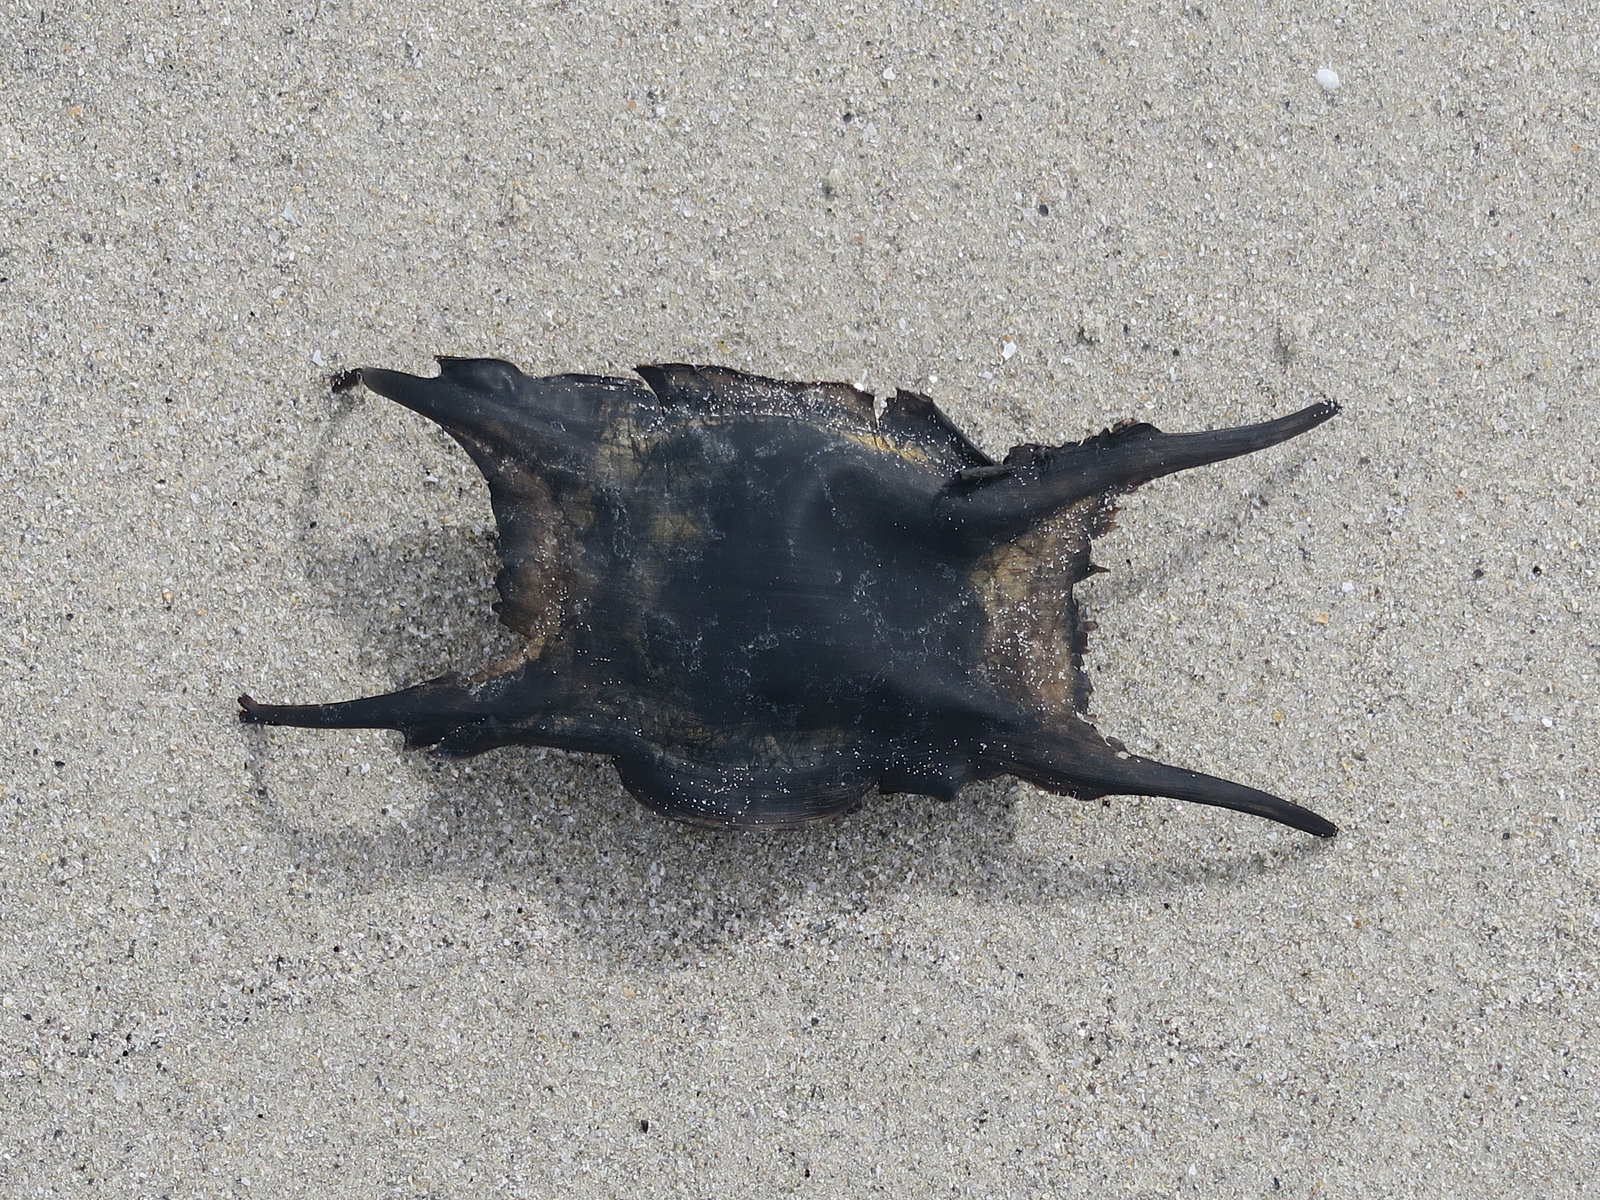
(236, 962)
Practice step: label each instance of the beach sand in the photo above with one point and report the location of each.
(241, 962)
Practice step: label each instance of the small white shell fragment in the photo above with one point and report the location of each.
(1007, 350)
(1328, 78)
